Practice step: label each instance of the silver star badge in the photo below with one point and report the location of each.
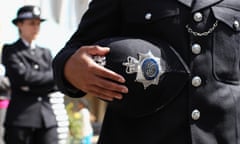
(147, 67)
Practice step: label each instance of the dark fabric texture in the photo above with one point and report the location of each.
(217, 98)
(172, 71)
(24, 135)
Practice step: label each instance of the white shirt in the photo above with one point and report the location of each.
(32, 45)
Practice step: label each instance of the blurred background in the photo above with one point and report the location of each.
(63, 17)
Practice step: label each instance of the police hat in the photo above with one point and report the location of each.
(155, 74)
(28, 12)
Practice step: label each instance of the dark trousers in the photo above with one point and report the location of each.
(24, 135)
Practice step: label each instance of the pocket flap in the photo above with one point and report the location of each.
(229, 16)
(145, 14)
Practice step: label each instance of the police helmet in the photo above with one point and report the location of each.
(155, 74)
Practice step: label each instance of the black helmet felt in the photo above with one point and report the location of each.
(155, 74)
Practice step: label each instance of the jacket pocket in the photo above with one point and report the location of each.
(226, 45)
(148, 12)
(149, 18)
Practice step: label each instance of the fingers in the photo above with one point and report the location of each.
(99, 70)
(105, 94)
(95, 50)
(103, 87)
(108, 74)
(83, 73)
(108, 88)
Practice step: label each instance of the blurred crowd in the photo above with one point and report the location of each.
(32, 110)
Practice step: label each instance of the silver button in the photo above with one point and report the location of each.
(25, 88)
(36, 66)
(148, 16)
(236, 24)
(21, 64)
(196, 81)
(32, 52)
(198, 17)
(196, 48)
(39, 98)
(195, 114)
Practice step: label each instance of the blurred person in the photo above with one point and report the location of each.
(29, 118)
(4, 100)
(81, 130)
(173, 78)
(86, 120)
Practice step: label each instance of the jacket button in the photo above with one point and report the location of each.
(196, 81)
(36, 66)
(148, 16)
(196, 48)
(198, 17)
(32, 52)
(21, 64)
(236, 24)
(39, 99)
(195, 114)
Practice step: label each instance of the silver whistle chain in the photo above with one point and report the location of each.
(189, 29)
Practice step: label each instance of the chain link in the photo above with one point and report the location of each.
(189, 29)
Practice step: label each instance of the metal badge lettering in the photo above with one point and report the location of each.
(101, 60)
(147, 67)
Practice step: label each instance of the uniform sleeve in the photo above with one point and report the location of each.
(101, 20)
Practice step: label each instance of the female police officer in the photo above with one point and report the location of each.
(205, 33)
(30, 118)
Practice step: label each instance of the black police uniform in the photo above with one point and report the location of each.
(30, 114)
(206, 35)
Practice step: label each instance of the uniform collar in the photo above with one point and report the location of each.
(188, 3)
(200, 4)
(197, 5)
(32, 45)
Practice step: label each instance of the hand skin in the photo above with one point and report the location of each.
(83, 73)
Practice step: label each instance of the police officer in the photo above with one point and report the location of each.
(204, 33)
(30, 118)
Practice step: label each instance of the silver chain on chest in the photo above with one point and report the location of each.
(210, 30)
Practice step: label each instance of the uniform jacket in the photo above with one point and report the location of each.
(206, 33)
(31, 78)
